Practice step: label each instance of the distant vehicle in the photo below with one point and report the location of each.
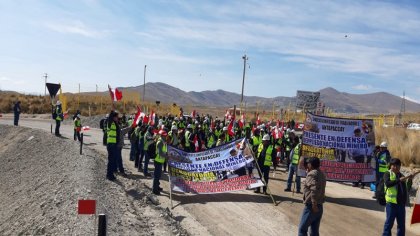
(413, 126)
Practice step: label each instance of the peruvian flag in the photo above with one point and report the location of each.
(227, 115)
(276, 133)
(145, 119)
(241, 121)
(415, 217)
(138, 117)
(230, 129)
(258, 119)
(193, 114)
(196, 143)
(152, 118)
(116, 94)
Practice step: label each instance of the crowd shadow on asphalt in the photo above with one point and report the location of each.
(369, 204)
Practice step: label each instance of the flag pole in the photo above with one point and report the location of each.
(170, 190)
(260, 173)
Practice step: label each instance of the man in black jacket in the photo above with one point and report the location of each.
(396, 195)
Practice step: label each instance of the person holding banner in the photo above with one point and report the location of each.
(293, 168)
(396, 195)
(266, 157)
(161, 156)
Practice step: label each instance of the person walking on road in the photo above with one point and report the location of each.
(16, 111)
(148, 140)
(313, 198)
(396, 195)
(113, 136)
(59, 116)
(293, 168)
(266, 157)
(161, 156)
(77, 128)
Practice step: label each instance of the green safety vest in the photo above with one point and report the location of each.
(268, 160)
(146, 142)
(77, 123)
(295, 158)
(112, 134)
(210, 141)
(256, 141)
(217, 133)
(159, 158)
(227, 138)
(58, 112)
(391, 192)
(187, 138)
(383, 167)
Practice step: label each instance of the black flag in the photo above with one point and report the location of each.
(53, 89)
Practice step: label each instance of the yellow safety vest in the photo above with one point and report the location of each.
(256, 141)
(77, 123)
(187, 138)
(383, 167)
(391, 192)
(159, 158)
(268, 160)
(58, 112)
(112, 134)
(210, 142)
(295, 158)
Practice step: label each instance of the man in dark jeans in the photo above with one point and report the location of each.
(16, 110)
(396, 195)
(313, 198)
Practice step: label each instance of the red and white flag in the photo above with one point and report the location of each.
(258, 119)
(227, 115)
(85, 128)
(145, 119)
(115, 94)
(241, 122)
(138, 117)
(196, 143)
(152, 118)
(230, 129)
(415, 217)
(193, 114)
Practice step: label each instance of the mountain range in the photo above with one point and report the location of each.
(380, 102)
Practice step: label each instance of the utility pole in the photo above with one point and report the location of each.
(144, 82)
(45, 85)
(245, 58)
(402, 109)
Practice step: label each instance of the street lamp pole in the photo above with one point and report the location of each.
(245, 58)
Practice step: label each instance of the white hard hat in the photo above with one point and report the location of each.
(266, 137)
(225, 128)
(58, 102)
(189, 126)
(78, 115)
(287, 130)
(383, 144)
(174, 127)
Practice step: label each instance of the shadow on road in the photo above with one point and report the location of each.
(357, 202)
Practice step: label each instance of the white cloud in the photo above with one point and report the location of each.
(362, 87)
(76, 27)
(412, 99)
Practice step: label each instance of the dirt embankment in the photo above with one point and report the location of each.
(43, 177)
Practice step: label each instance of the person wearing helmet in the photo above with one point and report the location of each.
(161, 157)
(382, 160)
(113, 136)
(59, 116)
(148, 140)
(211, 139)
(187, 139)
(293, 168)
(266, 156)
(77, 128)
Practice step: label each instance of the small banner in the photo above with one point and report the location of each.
(345, 147)
(217, 170)
(415, 217)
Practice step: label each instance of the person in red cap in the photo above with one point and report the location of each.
(161, 156)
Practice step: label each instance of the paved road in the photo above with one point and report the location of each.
(348, 211)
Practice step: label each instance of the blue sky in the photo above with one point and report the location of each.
(198, 45)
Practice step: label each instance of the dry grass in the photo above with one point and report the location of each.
(402, 143)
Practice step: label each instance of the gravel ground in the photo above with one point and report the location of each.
(43, 177)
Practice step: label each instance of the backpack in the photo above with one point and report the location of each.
(152, 150)
(380, 192)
